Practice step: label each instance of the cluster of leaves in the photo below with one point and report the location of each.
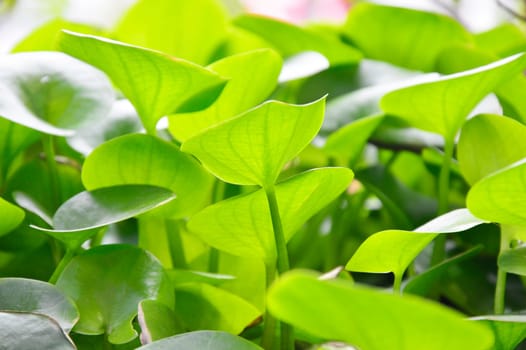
(163, 177)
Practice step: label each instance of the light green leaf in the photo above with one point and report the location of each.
(499, 196)
(157, 321)
(147, 160)
(414, 37)
(290, 40)
(107, 283)
(178, 276)
(370, 319)
(202, 306)
(155, 83)
(509, 330)
(20, 330)
(262, 66)
(242, 226)
(503, 40)
(10, 216)
(51, 92)
(191, 30)
(394, 250)
(203, 340)
(442, 106)
(252, 148)
(489, 143)
(25, 295)
(513, 261)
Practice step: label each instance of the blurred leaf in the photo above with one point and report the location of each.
(252, 148)
(147, 160)
(513, 260)
(10, 216)
(356, 315)
(179, 276)
(14, 139)
(202, 340)
(240, 226)
(303, 65)
(155, 83)
(509, 330)
(157, 321)
(240, 94)
(32, 296)
(503, 40)
(107, 283)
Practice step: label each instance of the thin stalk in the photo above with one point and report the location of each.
(213, 255)
(397, 284)
(49, 151)
(269, 330)
(439, 248)
(506, 234)
(173, 232)
(61, 266)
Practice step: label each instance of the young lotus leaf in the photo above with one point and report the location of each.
(32, 296)
(414, 38)
(148, 160)
(202, 340)
(157, 321)
(51, 92)
(393, 250)
(239, 226)
(370, 319)
(107, 283)
(513, 261)
(21, 330)
(202, 306)
(10, 216)
(489, 143)
(155, 83)
(441, 106)
(509, 330)
(163, 25)
(499, 196)
(252, 148)
(262, 66)
(290, 40)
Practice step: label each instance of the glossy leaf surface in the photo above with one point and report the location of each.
(356, 315)
(155, 83)
(10, 216)
(240, 226)
(107, 283)
(252, 148)
(203, 340)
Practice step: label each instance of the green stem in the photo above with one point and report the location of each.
(49, 151)
(175, 242)
(213, 255)
(506, 235)
(268, 339)
(397, 285)
(61, 266)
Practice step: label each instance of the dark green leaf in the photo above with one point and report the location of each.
(10, 216)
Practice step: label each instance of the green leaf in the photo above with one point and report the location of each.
(179, 276)
(10, 216)
(262, 66)
(290, 40)
(202, 306)
(509, 330)
(441, 106)
(155, 83)
(498, 196)
(252, 148)
(414, 37)
(503, 40)
(107, 283)
(371, 319)
(240, 226)
(20, 330)
(32, 296)
(394, 250)
(14, 139)
(513, 260)
(203, 340)
(157, 321)
(489, 143)
(191, 30)
(303, 65)
(147, 160)
(51, 92)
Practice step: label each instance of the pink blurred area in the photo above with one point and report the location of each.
(300, 11)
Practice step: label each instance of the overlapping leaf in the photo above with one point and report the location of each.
(10, 216)
(204, 340)
(509, 330)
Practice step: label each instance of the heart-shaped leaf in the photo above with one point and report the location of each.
(240, 227)
(155, 83)
(164, 25)
(509, 330)
(21, 330)
(262, 66)
(489, 143)
(370, 319)
(107, 283)
(10, 216)
(157, 321)
(252, 148)
(441, 106)
(202, 340)
(32, 296)
(51, 92)
(414, 37)
(147, 160)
